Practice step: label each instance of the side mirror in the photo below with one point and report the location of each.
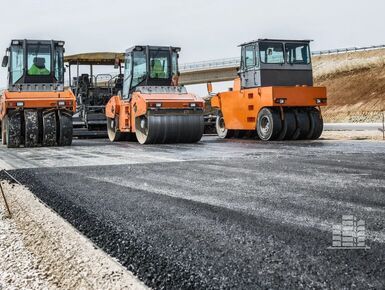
(117, 63)
(5, 61)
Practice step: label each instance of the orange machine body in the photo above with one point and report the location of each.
(36, 100)
(126, 110)
(240, 108)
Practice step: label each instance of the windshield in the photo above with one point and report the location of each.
(139, 68)
(39, 59)
(271, 52)
(297, 53)
(159, 64)
(17, 63)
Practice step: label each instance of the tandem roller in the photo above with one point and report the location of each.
(152, 108)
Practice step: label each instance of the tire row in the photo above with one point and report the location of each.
(293, 124)
(32, 128)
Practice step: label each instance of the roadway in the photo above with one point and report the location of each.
(221, 213)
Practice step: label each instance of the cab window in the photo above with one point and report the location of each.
(127, 75)
(39, 60)
(174, 63)
(139, 72)
(17, 63)
(297, 53)
(271, 53)
(159, 64)
(249, 56)
(59, 68)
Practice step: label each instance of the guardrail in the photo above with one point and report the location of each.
(349, 49)
(235, 61)
(216, 63)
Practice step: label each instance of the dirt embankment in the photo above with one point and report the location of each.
(355, 83)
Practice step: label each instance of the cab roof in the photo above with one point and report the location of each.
(276, 40)
(35, 41)
(94, 58)
(142, 47)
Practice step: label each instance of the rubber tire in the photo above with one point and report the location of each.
(222, 132)
(31, 128)
(65, 128)
(316, 124)
(49, 128)
(290, 123)
(272, 132)
(13, 129)
(303, 125)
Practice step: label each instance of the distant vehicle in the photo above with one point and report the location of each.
(35, 109)
(273, 98)
(93, 90)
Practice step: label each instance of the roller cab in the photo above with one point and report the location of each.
(274, 97)
(36, 110)
(152, 107)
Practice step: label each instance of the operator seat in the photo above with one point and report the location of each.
(157, 69)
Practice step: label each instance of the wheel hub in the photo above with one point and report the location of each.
(265, 125)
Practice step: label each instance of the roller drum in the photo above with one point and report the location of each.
(158, 129)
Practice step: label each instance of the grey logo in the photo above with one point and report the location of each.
(350, 234)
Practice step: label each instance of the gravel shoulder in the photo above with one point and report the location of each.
(40, 250)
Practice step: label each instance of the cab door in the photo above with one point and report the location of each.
(249, 66)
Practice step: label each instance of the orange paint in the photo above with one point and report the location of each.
(240, 108)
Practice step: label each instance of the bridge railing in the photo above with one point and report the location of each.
(210, 64)
(235, 61)
(349, 49)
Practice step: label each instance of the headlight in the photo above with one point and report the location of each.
(321, 101)
(280, 101)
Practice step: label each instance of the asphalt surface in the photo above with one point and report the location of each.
(222, 213)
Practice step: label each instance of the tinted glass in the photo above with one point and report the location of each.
(271, 52)
(59, 68)
(127, 76)
(139, 68)
(159, 64)
(174, 63)
(39, 59)
(17, 63)
(249, 56)
(297, 53)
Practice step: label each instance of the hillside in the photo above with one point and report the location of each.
(355, 83)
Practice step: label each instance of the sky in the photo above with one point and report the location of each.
(205, 29)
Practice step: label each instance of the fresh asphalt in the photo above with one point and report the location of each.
(221, 213)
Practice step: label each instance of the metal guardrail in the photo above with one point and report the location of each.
(349, 49)
(235, 61)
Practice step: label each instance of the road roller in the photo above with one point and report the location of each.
(35, 109)
(273, 97)
(152, 107)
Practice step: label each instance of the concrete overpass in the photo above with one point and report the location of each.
(209, 71)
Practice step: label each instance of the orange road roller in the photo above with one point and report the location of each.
(273, 98)
(151, 106)
(35, 109)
